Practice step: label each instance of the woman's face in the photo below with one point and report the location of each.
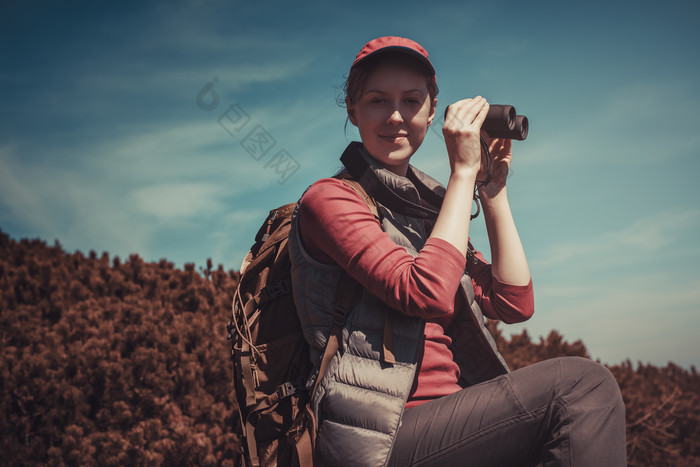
(393, 114)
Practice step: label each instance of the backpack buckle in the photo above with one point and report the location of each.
(274, 290)
(285, 390)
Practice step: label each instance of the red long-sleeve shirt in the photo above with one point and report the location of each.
(338, 227)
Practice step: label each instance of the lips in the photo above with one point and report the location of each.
(394, 138)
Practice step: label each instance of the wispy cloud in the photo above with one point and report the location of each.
(635, 287)
(178, 201)
(141, 76)
(623, 126)
(652, 312)
(644, 237)
(124, 193)
(235, 235)
(23, 202)
(65, 205)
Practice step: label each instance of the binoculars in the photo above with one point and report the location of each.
(502, 122)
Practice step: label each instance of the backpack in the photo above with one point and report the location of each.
(273, 380)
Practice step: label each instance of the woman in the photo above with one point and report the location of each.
(441, 394)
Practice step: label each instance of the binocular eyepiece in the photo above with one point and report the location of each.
(502, 122)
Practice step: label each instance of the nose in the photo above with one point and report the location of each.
(395, 117)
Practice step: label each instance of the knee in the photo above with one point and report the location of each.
(592, 379)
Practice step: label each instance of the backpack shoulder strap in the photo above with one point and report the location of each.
(355, 185)
(348, 293)
(346, 286)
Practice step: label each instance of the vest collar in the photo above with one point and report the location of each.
(416, 195)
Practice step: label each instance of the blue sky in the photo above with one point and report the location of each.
(105, 145)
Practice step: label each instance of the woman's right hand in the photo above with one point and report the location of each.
(462, 131)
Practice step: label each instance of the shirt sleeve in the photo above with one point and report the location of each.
(499, 300)
(337, 226)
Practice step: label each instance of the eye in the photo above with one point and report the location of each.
(377, 100)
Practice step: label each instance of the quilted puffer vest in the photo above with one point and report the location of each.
(360, 400)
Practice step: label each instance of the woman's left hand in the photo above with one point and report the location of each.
(501, 157)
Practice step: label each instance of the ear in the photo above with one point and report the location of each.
(352, 116)
(433, 106)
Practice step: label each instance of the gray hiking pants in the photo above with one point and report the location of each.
(561, 412)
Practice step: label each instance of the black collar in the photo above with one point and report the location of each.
(354, 160)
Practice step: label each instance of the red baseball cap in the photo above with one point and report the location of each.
(394, 44)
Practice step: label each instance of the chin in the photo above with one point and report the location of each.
(390, 154)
